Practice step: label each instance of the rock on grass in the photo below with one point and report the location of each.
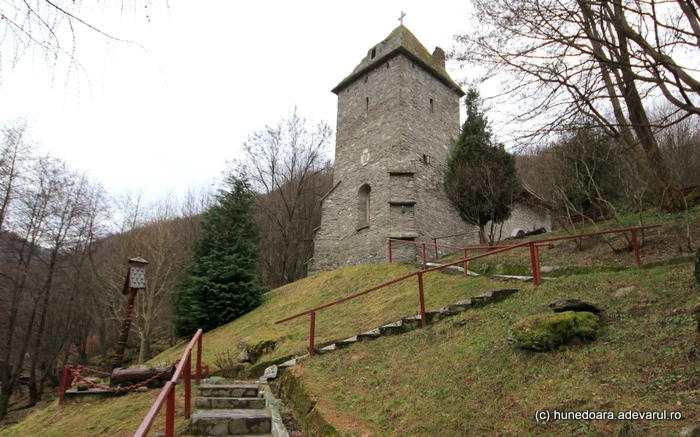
(545, 332)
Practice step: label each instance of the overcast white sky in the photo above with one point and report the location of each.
(170, 116)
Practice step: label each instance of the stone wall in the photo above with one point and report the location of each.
(396, 125)
(526, 217)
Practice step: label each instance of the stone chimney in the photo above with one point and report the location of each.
(439, 55)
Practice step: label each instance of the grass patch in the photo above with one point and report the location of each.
(604, 253)
(367, 312)
(462, 377)
(110, 417)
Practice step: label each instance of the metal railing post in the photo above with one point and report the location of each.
(390, 254)
(198, 367)
(422, 299)
(535, 262)
(312, 333)
(188, 385)
(635, 247)
(424, 260)
(64, 383)
(437, 256)
(170, 412)
(466, 264)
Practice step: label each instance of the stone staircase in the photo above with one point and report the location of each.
(404, 325)
(231, 410)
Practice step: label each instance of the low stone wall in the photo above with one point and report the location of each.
(295, 395)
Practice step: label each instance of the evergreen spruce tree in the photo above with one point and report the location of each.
(481, 180)
(222, 283)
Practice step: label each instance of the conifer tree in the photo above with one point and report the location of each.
(222, 283)
(481, 180)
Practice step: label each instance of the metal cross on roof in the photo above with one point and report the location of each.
(401, 17)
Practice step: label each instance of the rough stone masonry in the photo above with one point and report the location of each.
(398, 118)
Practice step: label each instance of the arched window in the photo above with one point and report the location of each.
(363, 206)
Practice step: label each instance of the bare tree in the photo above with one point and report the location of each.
(49, 28)
(51, 216)
(287, 166)
(164, 238)
(583, 61)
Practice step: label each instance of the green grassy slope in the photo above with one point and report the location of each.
(121, 416)
(117, 417)
(367, 312)
(461, 376)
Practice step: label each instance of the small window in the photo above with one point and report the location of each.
(387, 65)
(432, 106)
(373, 53)
(366, 105)
(363, 204)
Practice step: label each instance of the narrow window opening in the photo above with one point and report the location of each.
(373, 53)
(432, 106)
(366, 105)
(363, 206)
(387, 65)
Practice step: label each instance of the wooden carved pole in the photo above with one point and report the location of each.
(135, 281)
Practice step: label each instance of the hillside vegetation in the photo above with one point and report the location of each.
(461, 376)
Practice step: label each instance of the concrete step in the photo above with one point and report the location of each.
(229, 391)
(230, 422)
(231, 403)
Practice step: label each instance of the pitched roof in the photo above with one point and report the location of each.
(401, 40)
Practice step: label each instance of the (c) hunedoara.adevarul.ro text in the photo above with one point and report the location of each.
(554, 415)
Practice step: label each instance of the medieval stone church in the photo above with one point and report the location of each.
(398, 118)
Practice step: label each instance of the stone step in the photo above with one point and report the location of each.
(229, 391)
(460, 306)
(369, 335)
(411, 323)
(230, 422)
(231, 403)
(327, 349)
(240, 435)
(347, 342)
(293, 362)
(394, 328)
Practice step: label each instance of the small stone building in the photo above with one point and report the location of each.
(398, 118)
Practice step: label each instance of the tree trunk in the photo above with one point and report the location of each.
(145, 349)
(670, 196)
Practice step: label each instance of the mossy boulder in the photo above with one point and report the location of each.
(545, 332)
(256, 350)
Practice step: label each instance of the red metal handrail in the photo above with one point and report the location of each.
(534, 257)
(463, 249)
(167, 394)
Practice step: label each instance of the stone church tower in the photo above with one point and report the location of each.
(398, 118)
